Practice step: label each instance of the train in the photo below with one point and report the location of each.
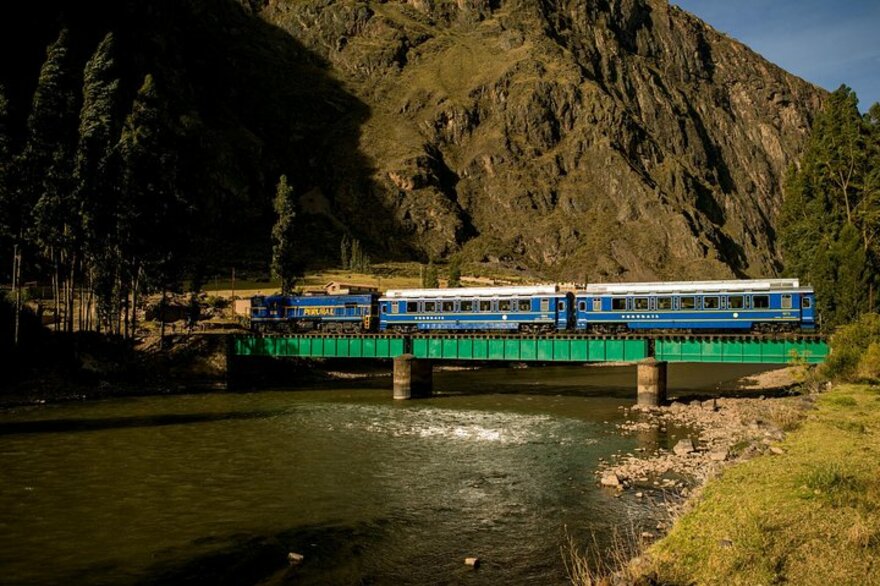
(742, 306)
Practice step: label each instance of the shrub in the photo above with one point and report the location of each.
(869, 364)
(217, 302)
(850, 345)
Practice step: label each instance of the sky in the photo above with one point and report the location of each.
(826, 42)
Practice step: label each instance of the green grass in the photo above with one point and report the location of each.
(808, 516)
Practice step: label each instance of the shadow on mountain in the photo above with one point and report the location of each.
(251, 103)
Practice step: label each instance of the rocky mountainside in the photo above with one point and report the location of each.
(611, 139)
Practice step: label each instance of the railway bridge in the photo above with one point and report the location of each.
(414, 355)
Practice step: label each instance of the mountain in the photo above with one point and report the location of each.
(613, 139)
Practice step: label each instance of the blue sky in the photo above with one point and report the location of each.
(826, 42)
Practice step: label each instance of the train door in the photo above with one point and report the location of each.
(808, 310)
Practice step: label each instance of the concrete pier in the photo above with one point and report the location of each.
(651, 383)
(413, 378)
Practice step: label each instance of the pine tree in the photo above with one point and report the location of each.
(851, 286)
(285, 260)
(829, 225)
(152, 219)
(47, 162)
(454, 273)
(94, 168)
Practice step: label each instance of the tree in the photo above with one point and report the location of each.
(286, 264)
(46, 162)
(851, 285)
(431, 281)
(152, 215)
(829, 225)
(454, 273)
(345, 252)
(94, 169)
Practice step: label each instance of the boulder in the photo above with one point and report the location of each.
(718, 455)
(295, 559)
(472, 562)
(611, 480)
(684, 447)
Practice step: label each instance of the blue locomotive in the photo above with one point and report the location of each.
(766, 306)
(298, 313)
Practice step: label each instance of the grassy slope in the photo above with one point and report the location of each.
(808, 516)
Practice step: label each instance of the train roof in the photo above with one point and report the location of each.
(472, 292)
(696, 286)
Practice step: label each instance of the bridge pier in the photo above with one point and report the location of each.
(651, 383)
(413, 378)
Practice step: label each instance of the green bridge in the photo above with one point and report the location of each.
(557, 348)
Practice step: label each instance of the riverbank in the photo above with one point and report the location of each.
(805, 512)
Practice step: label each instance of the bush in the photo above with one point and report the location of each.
(855, 350)
(217, 302)
(869, 365)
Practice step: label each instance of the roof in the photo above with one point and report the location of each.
(472, 292)
(694, 286)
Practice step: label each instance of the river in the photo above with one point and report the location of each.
(217, 488)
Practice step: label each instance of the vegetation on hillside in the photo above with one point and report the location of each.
(829, 227)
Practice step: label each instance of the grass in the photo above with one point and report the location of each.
(808, 516)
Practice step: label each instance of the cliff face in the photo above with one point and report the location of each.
(613, 139)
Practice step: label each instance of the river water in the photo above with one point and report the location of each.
(217, 488)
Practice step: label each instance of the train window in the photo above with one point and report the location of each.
(688, 302)
(560, 305)
(467, 305)
(618, 303)
(786, 302)
(384, 309)
(597, 304)
(504, 305)
(640, 304)
(735, 302)
(525, 305)
(582, 305)
(430, 306)
(761, 301)
(710, 303)
(664, 303)
(806, 302)
(412, 306)
(394, 307)
(545, 305)
(485, 305)
(449, 306)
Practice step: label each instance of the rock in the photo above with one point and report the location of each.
(295, 559)
(647, 535)
(684, 447)
(718, 455)
(639, 495)
(677, 407)
(611, 480)
(776, 450)
(472, 562)
(710, 405)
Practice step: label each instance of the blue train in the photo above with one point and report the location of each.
(767, 305)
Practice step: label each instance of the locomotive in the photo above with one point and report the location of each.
(760, 305)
